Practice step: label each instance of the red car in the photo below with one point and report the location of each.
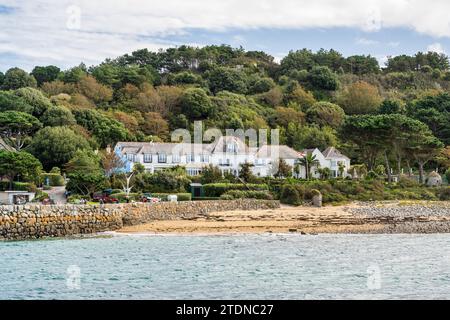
(104, 197)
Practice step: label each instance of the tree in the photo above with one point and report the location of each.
(55, 146)
(304, 99)
(36, 99)
(390, 107)
(111, 162)
(262, 85)
(196, 104)
(359, 98)
(84, 173)
(325, 173)
(284, 170)
(98, 93)
(434, 111)
(45, 74)
(154, 124)
(10, 101)
(211, 174)
(283, 116)
(322, 78)
(13, 164)
(106, 131)
(325, 114)
(16, 127)
(360, 64)
(58, 116)
(306, 137)
(227, 79)
(245, 173)
(423, 148)
(309, 161)
(16, 78)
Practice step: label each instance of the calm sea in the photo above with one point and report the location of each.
(267, 266)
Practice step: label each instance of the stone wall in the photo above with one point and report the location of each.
(36, 221)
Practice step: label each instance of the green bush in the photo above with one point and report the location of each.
(444, 193)
(217, 189)
(40, 195)
(407, 182)
(290, 195)
(180, 196)
(447, 175)
(21, 186)
(122, 197)
(54, 179)
(115, 191)
(75, 198)
(247, 194)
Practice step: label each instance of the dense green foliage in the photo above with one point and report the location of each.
(396, 115)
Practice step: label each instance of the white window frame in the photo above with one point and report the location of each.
(162, 158)
(148, 158)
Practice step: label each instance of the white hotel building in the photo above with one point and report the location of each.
(227, 153)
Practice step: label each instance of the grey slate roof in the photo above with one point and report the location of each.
(332, 152)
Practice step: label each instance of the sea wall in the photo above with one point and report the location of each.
(37, 221)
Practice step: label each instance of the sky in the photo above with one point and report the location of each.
(66, 33)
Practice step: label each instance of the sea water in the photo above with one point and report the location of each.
(243, 266)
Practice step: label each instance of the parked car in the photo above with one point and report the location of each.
(104, 197)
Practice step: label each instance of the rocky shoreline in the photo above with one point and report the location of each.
(423, 217)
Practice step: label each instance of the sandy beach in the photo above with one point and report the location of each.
(380, 217)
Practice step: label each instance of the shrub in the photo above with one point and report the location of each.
(444, 193)
(122, 197)
(114, 191)
(217, 189)
(290, 195)
(21, 186)
(180, 196)
(40, 196)
(406, 182)
(248, 194)
(54, 179)
(75, 199)
(447, 175)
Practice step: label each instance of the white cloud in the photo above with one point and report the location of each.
(41, 31)
(436, 47)
(366, 42)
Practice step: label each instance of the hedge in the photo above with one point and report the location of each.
(247, 194)
(55, 180)
(180, 196)
(17, 186)
(217, 189)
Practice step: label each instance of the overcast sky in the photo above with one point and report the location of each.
(65, 33)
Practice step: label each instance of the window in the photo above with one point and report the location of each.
(131, 157)
(193, 171)
(204, 158)
(224, 162)
(190, 158)
(231, 147)
(147, 157)
(162, 158)
(175, 158)
(260, 162)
